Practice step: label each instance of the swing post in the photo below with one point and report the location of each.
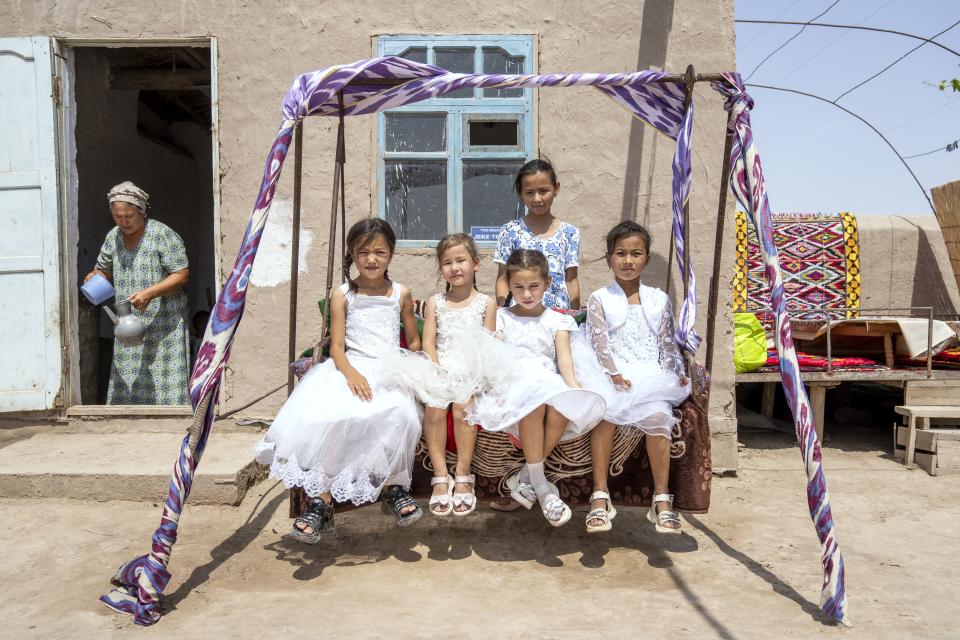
(718, 242)
(342, 153)
(689, 80)
(335, 201)
(295, 251)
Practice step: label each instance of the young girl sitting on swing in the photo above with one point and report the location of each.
(451, 337)
(626, 352)
(350, 428)
(538, 398)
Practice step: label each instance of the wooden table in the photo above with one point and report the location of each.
(817, 383)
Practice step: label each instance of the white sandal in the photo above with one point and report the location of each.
(604, 515)
(665, 517)
(445, 500)
(522, 492)
(465, 499)
(555, 510)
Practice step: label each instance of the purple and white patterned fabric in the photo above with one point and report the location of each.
(374, 85)
(746, 180)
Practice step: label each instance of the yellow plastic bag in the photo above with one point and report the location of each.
(749, 343)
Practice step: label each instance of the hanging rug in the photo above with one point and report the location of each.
(819, 259)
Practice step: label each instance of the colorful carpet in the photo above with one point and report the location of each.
(819, 257)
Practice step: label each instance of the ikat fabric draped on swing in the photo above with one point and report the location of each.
(369, 86)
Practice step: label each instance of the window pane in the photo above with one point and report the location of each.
(497, 133)
(488, 196)
(415, 54)
(415, 132)
(416, 202)
(455, 60)
(496, 60)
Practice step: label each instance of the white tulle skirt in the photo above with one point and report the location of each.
(456, 379)
(325, 439)
(524, 384)
(474, 362)
(647, 404)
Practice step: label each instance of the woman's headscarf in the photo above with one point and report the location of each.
(128, 192)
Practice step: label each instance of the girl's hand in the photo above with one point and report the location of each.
(141, 299)
(619, 381)
(359, 386)
(683, 381)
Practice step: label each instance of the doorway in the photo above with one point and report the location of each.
(144, 114)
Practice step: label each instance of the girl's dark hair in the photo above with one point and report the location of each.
(625, 229)
(452, 240)
(528, 259)
(361, 233)
(529, 169)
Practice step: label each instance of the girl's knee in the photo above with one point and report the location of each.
(434, 414)
(658, 440)
(552, 413)
(539, 412)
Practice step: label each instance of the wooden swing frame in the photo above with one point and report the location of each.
(338, 205)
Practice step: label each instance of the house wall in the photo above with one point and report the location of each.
(611, 166)
(904, 263)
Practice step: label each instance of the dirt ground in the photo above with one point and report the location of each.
(748, 569)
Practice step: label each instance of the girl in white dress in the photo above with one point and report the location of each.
(626, 351)
(351, 426)
(538, 398)
(451, 338)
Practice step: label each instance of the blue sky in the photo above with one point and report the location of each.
(815, 156)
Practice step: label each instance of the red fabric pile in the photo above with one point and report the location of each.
(810, 362)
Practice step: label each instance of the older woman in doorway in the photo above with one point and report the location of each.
(147, 263)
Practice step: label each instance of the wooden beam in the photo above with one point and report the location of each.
(159, 79)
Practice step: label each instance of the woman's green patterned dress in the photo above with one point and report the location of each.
(156, 372)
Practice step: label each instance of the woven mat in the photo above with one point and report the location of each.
(819, 258)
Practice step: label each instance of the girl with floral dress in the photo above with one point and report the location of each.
(537, 186)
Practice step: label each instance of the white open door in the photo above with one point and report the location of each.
(30, 360)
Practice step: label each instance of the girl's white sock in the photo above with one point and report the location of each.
(538, 478)
(524, 475)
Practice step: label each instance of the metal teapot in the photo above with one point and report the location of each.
(128, 327)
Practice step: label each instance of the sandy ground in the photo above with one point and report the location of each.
(748, 569)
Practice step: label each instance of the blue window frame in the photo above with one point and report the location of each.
(447, 164)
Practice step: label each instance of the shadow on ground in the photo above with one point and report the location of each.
(482, 534)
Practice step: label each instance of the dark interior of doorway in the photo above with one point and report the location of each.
(142, 114)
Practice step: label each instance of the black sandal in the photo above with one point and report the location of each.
(395, 500)
(319, 517)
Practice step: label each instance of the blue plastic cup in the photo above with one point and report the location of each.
(97, 289)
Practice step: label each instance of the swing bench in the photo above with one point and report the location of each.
(663, 101)
(498, 456)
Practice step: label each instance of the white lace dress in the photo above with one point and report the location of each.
(462, 354)
(325, 438)
(643, 350)
(532, 379)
